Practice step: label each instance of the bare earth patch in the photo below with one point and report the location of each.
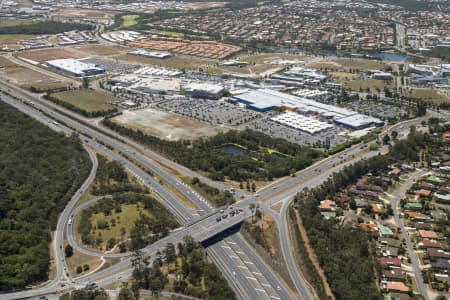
(43, 55)
(27, 78)
(166, 125)
(312, 256)
(176, 62)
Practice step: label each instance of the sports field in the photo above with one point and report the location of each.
(129, 20)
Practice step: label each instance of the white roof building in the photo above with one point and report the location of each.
(301, 122)
(75, 67)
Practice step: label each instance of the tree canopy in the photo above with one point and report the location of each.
(39, 172)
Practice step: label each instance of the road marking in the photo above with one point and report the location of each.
(233, 243)
(266, 285)
(275, 297)
(226, 247)
(243, 267)
(240, 252)
(234, 256)
(248, 262)
(251, 278)
(256, 273)
(260, 290)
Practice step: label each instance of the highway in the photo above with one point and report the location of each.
(199, 227)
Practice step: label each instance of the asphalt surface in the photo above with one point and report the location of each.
(197, 229)
(206, 225)
(395, 202)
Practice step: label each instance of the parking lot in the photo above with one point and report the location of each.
(111, 65)
(299, 137)
(210, 111)
(378, 109)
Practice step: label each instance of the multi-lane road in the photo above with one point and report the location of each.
(235, 258)
(197, 228)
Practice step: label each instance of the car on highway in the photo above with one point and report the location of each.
(218, 219)
(224, 216)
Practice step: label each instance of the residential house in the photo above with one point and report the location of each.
(427, 243)
(422, 225)
(413, 206)
(384, 231)
(395, 172)
(327, 205)
(390, 262)
(389, 242)
(395, 275)
(416, 216)
(441, 197)
(425, 234)
(423, 192)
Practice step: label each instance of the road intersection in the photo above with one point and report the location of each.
(197, 226)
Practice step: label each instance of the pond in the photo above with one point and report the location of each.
(234, 150)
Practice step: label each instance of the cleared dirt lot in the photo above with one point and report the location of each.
(99, 50)
(27, 78)
(87, 99)
(176, 62)
(345, 64)
(165, 125)
(43, 55)
(79, 51)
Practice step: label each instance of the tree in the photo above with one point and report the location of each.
(85, 83)
(68, 251)
(35, 186)
(125, 294)
(386, 139)
(170, 254)
(394, 134)
(79, 269)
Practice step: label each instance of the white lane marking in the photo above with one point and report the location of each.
(256, 273)
(260, 290)
(226, 247)
(240, 252)
(248, 262)
(234, 256)
(251, 278)
(275, 297)
(243, 267)
(233, 243)
(266, 285)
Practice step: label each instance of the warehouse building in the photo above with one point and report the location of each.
(381, 76)
(359, 121)
(264, 100)
(152, 54)
(75, 67)
(429, 80)
(204, 90)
